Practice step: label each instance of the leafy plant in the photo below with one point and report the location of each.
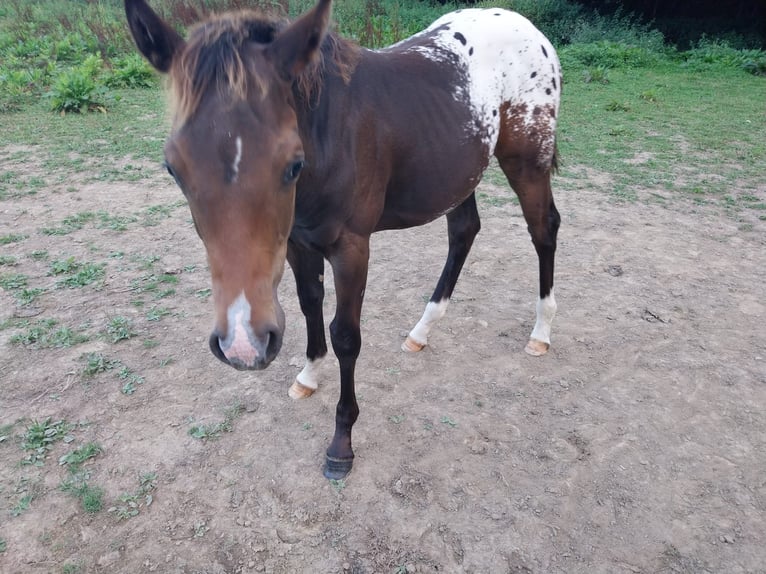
(77, 89)
(132, 502)
(120, 329)
(131, 71)
(39, 438)
(75, 458)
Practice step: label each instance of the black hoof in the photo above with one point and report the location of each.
(337, 468)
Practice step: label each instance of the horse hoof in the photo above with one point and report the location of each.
(412, 346)
(536, 348)
(298, 391)
(337, 468)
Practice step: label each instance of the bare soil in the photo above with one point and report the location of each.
(638, 444)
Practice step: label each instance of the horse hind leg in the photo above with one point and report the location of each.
(463, 225)
(530, 178)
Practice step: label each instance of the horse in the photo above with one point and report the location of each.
(291, 143)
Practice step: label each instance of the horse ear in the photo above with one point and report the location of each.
(294, 48)
(156, 40)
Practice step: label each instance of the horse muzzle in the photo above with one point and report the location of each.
(246, 351)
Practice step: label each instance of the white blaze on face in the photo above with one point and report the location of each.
(239, 338)
(433, 312)
(546, 309)
(309, 376)
(237, 159)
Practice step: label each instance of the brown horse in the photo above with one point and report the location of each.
(292, 143)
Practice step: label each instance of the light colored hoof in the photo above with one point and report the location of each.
(412, 346)
(536, 348)
(298, 391)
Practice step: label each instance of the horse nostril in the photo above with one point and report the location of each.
(215, 347)
(273, 343)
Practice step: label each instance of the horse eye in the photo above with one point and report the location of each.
(294, 170)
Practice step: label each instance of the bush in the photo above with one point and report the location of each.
(608, 54)
(78, 89)
(131, 71)
(719, 54)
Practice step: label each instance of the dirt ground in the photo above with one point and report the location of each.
(637, 445)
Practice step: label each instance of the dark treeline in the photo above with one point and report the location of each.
(683, 22)
(742, 23)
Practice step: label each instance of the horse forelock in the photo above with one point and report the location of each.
(214, 59)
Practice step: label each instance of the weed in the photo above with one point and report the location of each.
(11, 238)
(26, 297)
(132, 502)
(649, 96)
(38, 255)
(120, 329)
(86, 274)
(75, 458)
(22, 505)
(3, 545)
(157, 313)
(96, 363)
(598, 75)
(13, 281)
(396, 419)
(71, 568)
(131, 71)
(91, 497)
(338, 484)
(39, 438)
(166, 361)
(131, 380)
(448, 421)
(203, 293)
(208, 431)
(77, 90)
(44, 334)
(8, 260)
(615, 106)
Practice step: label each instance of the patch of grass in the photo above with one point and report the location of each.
(85, 274)
(40, 436)
(96, 363)
(209, 431)
(448, 421)
(13, 281)
(11, 238)
(77, 457)
(8, 260)
(119, 329)
(45, 334)
(38, 255)
(131, 379)
(91, 497)
(615, 106)
(131, 503)
(157, 313)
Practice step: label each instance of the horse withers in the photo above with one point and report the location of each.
(291, 143)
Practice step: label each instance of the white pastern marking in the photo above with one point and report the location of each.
(309, 376)
(237, 159)
(433, 312)
(240, 334)
(546, 309)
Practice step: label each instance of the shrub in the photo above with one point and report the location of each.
(131, 71)
(720, 54)
(77, 89)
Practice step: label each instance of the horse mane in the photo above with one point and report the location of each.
(214, 58)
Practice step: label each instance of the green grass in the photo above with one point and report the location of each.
(119, 329)
(214, 430)
(668, 128)
(39, 437)
(46, 334)
(75, 459)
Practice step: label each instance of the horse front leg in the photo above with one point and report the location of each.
(349, 262)
(463, 225)
(308, 269)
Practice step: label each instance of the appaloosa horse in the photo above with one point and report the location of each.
(290, 142)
